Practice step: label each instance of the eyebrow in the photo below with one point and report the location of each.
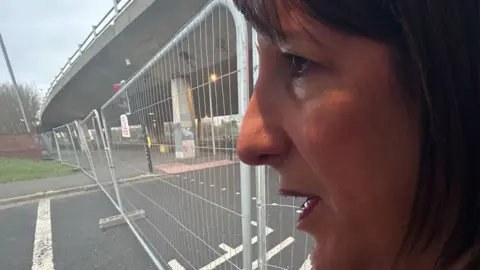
(285, 45)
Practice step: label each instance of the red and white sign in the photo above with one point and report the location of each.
(125, 127)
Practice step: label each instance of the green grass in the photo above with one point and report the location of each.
(13, 170)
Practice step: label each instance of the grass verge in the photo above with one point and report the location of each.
(14, 170)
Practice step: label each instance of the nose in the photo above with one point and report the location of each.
(262, 139)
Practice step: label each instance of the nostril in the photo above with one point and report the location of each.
(263, 159)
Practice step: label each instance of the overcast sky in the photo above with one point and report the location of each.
(40, 35)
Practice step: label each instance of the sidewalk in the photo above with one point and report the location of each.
(21, 188)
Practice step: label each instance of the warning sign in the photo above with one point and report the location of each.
(125, 127)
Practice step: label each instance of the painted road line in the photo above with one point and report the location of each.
(269, 230)
(231, 252)
(225, 247)
(174, 265)
(307, 265)
(42, 246)
(274, 251)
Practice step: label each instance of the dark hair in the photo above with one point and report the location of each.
(439, 43)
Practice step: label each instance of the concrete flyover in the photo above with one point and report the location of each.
(139, 32)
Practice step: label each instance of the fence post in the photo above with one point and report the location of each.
(261, 217)
(58, 146)
(86, 149)
(147, 146)
(73, 145)
(99, 147)
(243, 66)
(108, 153)
(260, 178)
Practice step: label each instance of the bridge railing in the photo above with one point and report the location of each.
(97, 30)
(163, 151)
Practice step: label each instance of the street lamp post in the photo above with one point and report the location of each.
(213, 78)
(14, 82)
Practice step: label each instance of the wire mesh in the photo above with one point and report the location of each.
(172, 132)
(49, 146)
(92, 131)
(81, 149)
(67, 150)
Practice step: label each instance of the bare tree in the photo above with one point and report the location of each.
(11, 120)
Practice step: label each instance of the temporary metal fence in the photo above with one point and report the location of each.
(172, 126)
(67, 146)
(49, 146)
(164, 146)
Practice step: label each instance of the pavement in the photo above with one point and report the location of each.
(22, 188)
(193, 221)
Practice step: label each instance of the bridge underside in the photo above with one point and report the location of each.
(91, 86)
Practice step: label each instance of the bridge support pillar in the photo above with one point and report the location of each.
(183, 117)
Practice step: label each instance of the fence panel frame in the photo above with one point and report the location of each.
(96, 118)
(58, 146)
(73, 144)
(86, 151)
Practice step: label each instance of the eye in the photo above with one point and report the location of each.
(298, 65)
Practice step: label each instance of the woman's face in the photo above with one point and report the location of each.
(338, 129)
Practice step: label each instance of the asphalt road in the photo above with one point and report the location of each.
(193, 221)
(77, 241)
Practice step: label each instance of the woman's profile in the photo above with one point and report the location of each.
(371, 111)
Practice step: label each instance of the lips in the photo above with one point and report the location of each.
(308, 206)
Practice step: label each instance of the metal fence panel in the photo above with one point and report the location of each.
(67, 149)
(171, 132)
(49, 146)
(92, 130)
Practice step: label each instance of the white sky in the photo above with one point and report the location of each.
(40, 35)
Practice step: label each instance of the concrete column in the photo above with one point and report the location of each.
(183, 116)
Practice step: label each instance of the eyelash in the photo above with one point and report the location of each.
(299, 65)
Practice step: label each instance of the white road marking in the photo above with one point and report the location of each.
(307, 265)
(175, 265)
(225, 247)
(231, 252)
(254, 198)
(274, 251)
(42, 246)
(269, 230)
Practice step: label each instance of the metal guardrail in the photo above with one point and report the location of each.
(118, 7)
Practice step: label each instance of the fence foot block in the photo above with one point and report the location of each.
(117, 220)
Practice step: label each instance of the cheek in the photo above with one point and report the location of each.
(363, 148)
